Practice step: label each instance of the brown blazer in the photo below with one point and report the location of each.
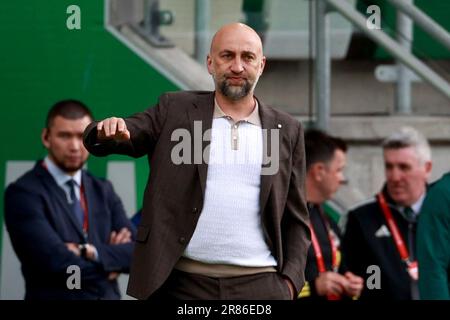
(174, 194)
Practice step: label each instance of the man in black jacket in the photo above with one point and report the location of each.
(325, 275)
(380, 235)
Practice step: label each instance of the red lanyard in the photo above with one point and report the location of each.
(412, 266)
(85, 210)
(318, 251)
(399, 242)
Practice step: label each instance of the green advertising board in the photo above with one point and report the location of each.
(43, 60)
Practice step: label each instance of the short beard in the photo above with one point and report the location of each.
(234, 92)
(65, 168)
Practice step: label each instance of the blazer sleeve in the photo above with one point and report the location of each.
(433, 238)
(35, 241)
(145, 128)
(296, 234)
(117, 257)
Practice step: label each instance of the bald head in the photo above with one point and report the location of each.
(233, 32)
(236, 61)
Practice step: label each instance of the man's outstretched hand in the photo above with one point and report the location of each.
(113, 129)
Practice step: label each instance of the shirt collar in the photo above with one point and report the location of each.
(253, 118)
(416, 206)
(59, 175)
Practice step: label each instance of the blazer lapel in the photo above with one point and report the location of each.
(200, 116)
(59, 196)
(268, 122)
(90, 204)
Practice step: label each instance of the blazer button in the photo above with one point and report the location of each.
(194, 210)
(182, 240)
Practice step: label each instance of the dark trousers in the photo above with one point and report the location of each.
(187, 286)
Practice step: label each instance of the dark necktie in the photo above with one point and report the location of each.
(75, 204)
(409, 213)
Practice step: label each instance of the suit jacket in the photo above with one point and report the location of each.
(368, 241)
(40, 222)
(320, 221)
(173, 199)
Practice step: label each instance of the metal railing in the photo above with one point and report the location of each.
(424, 21)
(153, 19)
(402, 54)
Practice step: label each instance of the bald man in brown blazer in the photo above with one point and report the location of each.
(224, 213)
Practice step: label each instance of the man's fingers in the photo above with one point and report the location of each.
(113, 128)
(121, 236)
(354, 279)
(112, 238)
(123, 136)
(336, 285)
(123, 133)
(336, 277)
(354, 291)
(73, 247)
(356, 285)
(340, 280)
(113, 275)
(124, 236)
(357, 282)
(336, 289)
(121, 126)
(101, 130)
(127, 237)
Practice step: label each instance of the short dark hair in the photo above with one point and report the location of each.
(68, 109)
(320, 146)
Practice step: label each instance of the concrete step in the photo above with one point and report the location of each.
(364, 134)
(354, 89)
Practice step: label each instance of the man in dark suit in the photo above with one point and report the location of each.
(68, 228)
(380, 237)
(221, 220)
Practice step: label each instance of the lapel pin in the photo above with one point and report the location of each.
(279, 125)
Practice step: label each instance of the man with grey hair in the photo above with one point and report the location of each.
(381, 231)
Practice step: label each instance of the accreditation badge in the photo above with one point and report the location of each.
(413, 270)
